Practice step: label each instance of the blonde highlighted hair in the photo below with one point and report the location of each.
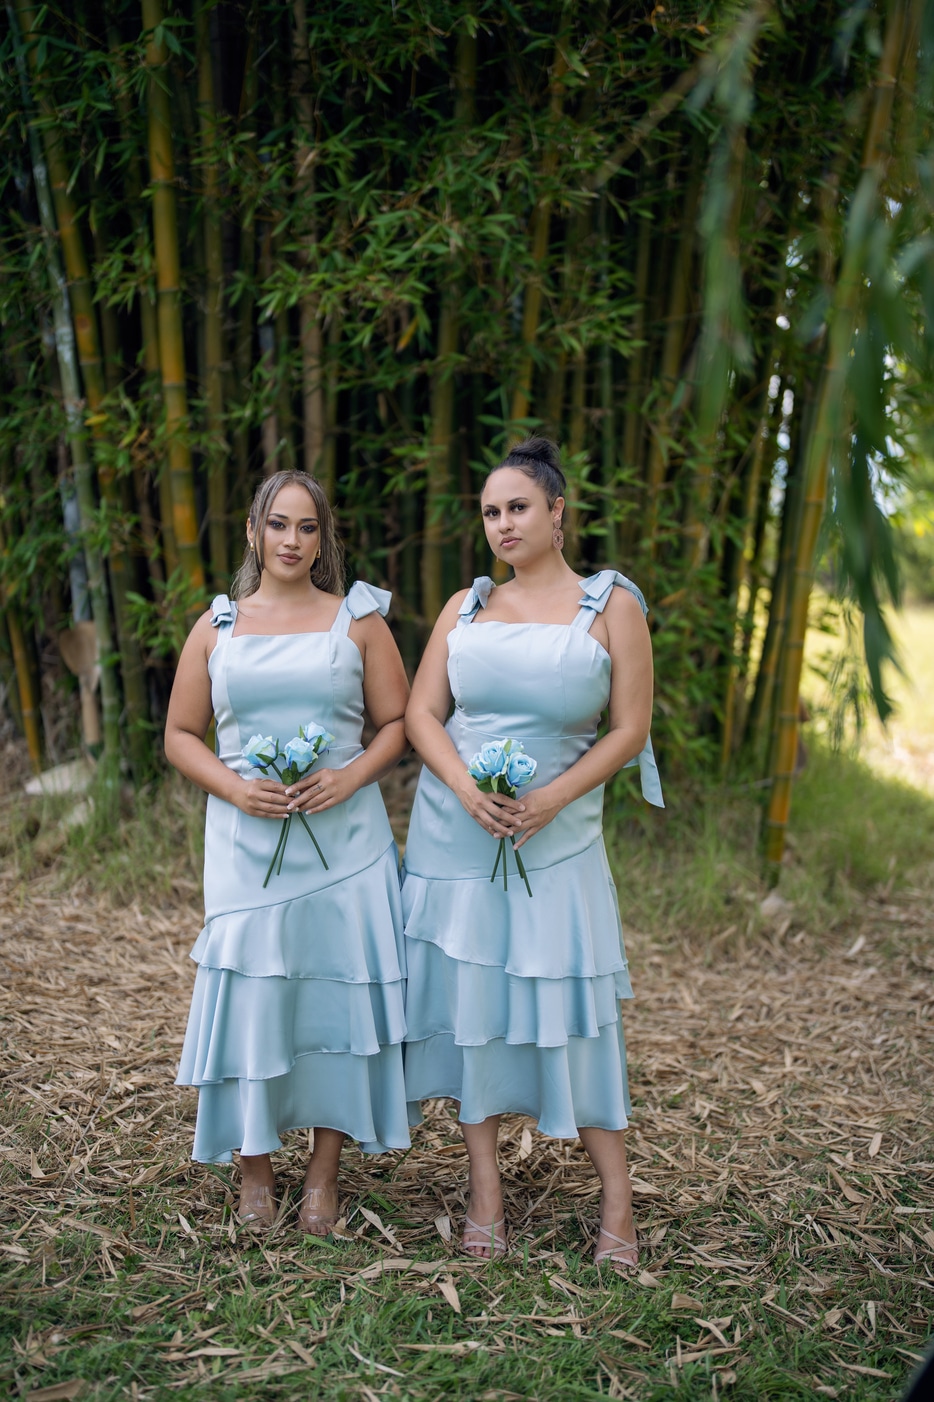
(327, 571)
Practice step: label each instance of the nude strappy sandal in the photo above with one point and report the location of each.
(614, 1255)
(496, 1245)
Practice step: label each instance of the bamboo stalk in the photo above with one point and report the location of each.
(309, 318)
(214, 352)
(76, 347)
(674, 354)
(149, 331)
(442, 390)
(168, 280)
(829, 424)
(541, 224)
(25, 683)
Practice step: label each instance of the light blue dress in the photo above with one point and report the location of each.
(297, 1013)
(513, 1002)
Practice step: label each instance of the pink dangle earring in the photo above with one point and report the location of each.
(557, 535)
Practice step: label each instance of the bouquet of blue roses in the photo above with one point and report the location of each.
(502, 766)
(298, 756)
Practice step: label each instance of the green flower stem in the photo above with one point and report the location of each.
(305, 823)
(307, 827)
(282, 833)
(500, 850)
(521, 865)
(284, 843)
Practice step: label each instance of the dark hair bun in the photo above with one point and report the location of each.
(540, 460)
(537, 450)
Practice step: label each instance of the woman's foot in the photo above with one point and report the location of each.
(257, 1206)
(617, 1241)
(621, 1255)
(484, 1235)
(484, 1243)
(318, 1209)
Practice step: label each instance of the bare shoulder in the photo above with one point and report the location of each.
(203, 634)
(449, 614)
(624, 610)
(370, 628)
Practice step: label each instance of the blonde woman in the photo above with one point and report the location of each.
(513, 998)
(297, 1014)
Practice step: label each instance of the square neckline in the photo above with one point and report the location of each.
(302, 633)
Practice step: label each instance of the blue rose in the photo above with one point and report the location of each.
(316, 735)
(520, 769)
(490, 761)
(300, 754)
(260, 751)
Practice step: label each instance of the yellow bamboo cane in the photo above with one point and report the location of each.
(25, 682)
(309, 319)
(541, 227)
(168, 279)
(74, 312)
(442, 397)
(216, 452)
(828, 433)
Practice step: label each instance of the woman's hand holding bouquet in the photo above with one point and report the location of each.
(298, 756)
(503, 767)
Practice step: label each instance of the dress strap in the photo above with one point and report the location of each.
(223, 612)
(596, 592)
(477, 596)
(361, 600)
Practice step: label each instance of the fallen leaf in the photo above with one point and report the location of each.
(685, 1302)
(875, 1146)
(186, 1226)
(860, 1368)
(449, 1291)
(525, 1144)
(849, 1193)
(376, 1221)
(58, 1392)
(647, 1279)
(706, 1324)
(303, 1353)
(443, 1223)
(627, 1338)
(643, 1189)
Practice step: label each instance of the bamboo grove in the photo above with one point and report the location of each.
(378, 240)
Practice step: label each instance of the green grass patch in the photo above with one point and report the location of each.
(695, 868)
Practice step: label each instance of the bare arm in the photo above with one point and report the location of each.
(385, 692)
(630, 716)
(425, 715)
(190, 712)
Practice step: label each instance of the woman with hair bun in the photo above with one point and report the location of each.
(513, 994)
(297, 1013)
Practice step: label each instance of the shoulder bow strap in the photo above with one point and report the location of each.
(595, 594)
(477, 596)
(597, 589)
(363, 599)
(222, 611)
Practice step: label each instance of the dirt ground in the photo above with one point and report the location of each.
(785, 1082)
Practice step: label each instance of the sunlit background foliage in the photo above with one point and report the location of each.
(379, 240)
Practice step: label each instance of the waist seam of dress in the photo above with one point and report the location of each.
(306, 896)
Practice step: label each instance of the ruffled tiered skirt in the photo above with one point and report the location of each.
(513, 1001)
(297, 1018)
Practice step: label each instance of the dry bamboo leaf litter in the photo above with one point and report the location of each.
(780, 1079)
